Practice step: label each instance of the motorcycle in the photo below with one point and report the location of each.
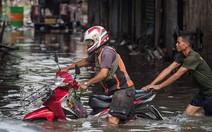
(63, 103)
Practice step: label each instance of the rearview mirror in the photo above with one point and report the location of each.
(55, 57)
(77, 70)
(56, 60)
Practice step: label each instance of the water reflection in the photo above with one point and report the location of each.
(9, 125)
(32, 66)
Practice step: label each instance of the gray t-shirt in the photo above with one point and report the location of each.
(107, 57)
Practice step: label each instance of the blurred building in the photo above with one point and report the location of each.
(159, 20)
(153, 23)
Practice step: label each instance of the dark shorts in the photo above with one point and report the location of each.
(206, 104)
(122, 103)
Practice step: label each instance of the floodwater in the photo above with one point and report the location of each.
(32, 66)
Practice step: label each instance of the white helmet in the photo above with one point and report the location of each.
(98, 35)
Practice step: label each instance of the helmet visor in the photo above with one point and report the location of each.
(88, 42)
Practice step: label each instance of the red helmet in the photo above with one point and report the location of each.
(98, 35)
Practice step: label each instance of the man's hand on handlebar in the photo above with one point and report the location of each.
(148, 87)
(83, 86)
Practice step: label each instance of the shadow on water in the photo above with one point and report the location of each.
(32, 66)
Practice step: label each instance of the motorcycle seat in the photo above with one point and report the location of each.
(102, 97)
(100, 101)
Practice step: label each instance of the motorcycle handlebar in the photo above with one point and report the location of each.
(68, 79)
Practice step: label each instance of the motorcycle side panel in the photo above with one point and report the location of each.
(40, 114)
(144, 95)
(54, 103)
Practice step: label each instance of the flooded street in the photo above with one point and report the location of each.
(32, 66)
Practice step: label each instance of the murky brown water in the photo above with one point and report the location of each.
(32, 66)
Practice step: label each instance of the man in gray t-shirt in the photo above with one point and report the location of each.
(110, 73)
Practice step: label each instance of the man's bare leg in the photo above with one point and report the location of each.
(193, 110)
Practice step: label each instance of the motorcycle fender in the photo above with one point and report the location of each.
(42, 113)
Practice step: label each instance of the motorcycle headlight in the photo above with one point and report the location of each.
(63, 84)
(58, 81)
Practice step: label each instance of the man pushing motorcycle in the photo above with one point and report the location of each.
(189, 61)
(110, 73)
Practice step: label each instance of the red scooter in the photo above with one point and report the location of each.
(63, 103)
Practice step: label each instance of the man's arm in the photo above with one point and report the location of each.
(165, 72)
(80, 63)
(99, 77)
(174, 77)
(170, 80)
